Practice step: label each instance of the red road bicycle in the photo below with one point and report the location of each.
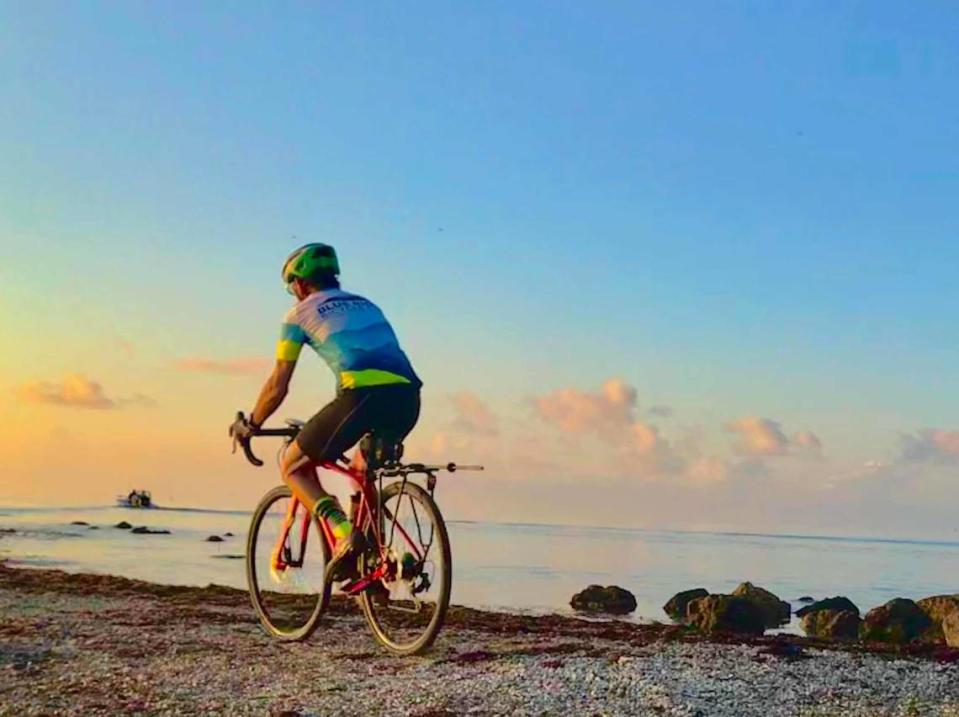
(403, 577)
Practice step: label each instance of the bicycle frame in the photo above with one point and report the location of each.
(365, 517)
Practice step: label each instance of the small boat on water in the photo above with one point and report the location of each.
(136, 499)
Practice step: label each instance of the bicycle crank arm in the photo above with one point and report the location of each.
(361, 584)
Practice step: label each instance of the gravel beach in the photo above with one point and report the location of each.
(101, 645)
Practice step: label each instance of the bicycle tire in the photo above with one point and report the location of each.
(370, 608)
(259, 606)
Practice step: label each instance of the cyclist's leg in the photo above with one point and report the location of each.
(324, 438)
(299, 472)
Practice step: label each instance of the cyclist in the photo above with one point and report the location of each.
(377, 388)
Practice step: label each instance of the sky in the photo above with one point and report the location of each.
(659, 265)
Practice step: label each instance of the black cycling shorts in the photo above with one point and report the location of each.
(392, 409)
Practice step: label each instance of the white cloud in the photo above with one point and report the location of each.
(758, 436)
(472, 415)
(806, 443)
(77, 391)
(930, 445)
(576, 411)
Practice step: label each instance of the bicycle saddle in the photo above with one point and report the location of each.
(381, 449)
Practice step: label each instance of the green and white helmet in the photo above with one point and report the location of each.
(310, 261)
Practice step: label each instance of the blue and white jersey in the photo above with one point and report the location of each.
(351, 334)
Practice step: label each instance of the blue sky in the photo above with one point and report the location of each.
(742, 209)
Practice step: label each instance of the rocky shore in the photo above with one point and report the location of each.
(101, 645)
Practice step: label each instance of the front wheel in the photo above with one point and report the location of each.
(406, 609)
(287, 579)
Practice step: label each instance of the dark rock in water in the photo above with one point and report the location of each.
(94, 527)
(7, 531)
(898, 621)
(228, 535)
(676, 607)
(228, 556)
(805, 598)
(79, 522)
(938, 608)
(123, 525)
(832, 624)
(775, 611)
(612, 599)
(214, 539)
(726, 613)
(838, 604)
(143, 530)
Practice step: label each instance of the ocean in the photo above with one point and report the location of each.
(524, 568)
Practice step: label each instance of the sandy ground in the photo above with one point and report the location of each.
(101, 645)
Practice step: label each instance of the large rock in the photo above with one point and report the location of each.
(836, 604)
(725, 613)
(676, 606)
(214, 539)
(123, 525)
(938, 608)
(950, 628)
(832, 624)
(898, 621)
(611, 599)
(775, 611)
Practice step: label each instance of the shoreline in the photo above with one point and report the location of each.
(74, 643)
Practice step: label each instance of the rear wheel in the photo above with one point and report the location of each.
(289, 599)
(406, 609)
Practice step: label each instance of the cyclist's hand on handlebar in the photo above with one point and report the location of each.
(241, 429)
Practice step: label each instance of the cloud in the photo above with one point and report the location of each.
(930, 445)
(576, 411)
(77, 391)
(756, 436)
(229, 367)
(806, 443)
(625, 445)
(472, 416)
(138, 400)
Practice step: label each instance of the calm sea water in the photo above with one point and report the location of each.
(530, 568)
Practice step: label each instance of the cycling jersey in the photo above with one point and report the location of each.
(351, 334)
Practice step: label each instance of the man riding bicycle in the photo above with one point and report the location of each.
(377, 389)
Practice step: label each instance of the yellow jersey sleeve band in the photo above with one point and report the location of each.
(288, 350)
(292, 338)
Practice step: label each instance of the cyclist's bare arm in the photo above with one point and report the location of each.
(273, 391)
